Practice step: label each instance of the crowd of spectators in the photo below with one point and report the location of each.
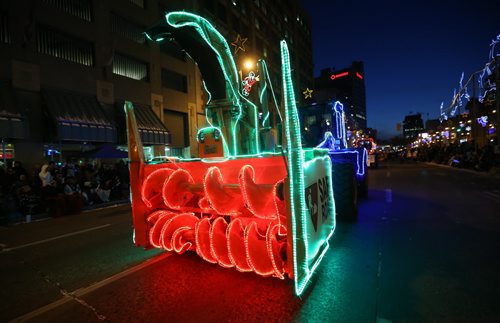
(59, 189)
(463, 155)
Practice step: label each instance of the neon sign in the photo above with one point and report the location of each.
(359, 76)
(336, 76)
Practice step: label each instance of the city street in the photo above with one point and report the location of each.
(424, 249)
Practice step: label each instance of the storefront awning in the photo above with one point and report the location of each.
(151, 129)
(13, 124)
(79, 117)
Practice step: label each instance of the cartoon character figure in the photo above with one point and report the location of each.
(248, 82)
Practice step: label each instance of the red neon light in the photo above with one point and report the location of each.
(336, 76)
(230, 215)
(359, 76)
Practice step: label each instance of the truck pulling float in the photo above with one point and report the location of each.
(271, 212)
(325, 123)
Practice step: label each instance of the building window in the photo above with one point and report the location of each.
(210, 6)
(60, 45)
(257, 23)
(4, 29)
(172, 50)
(130, 67)
(139, 3)
(78, 8)
(173, 80)
(221, 12)
(127, 29)
(264, 9)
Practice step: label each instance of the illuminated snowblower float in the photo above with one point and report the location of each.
(237, 206)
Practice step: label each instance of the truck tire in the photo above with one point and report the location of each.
(345, 191)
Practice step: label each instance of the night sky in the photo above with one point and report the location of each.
(414, 51)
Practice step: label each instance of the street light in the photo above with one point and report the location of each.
(249, 64)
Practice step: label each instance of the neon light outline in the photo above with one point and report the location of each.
(336, 76)
(178, 19)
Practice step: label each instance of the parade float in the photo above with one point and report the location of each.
(326, 122)
(244, 203)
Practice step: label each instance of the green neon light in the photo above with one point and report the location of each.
(213, 38)
(208, 92)
(296, 170)
(216, 160)
(256, 123)
(268, 80)
(295, 165)
(264, 91)
(208, 101)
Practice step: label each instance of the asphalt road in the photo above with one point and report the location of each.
(424, 249)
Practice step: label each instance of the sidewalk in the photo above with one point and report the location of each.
(494, 173)
(19, 218)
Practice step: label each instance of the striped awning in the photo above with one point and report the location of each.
(79, 117)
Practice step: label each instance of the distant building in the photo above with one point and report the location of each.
(433, 125)
(412, 126)
(372, 133)
(347, 86)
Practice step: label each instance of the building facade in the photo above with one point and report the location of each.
(347, 86)
(70, 65)
(412, 126)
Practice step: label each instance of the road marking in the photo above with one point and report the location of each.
(77, 294)
(388, 195)
(55, 238)
(492, 196)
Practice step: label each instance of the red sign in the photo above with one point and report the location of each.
(359, 76)
(8, 155)
(336, 76)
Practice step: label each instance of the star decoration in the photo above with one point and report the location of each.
(239, 43)
(308, 93)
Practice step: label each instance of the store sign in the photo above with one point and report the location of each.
(336, 76)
